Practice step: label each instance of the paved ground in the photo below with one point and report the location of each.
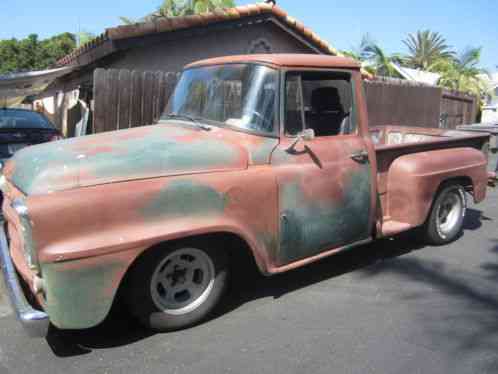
(391, 307)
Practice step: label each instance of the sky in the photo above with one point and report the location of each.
(463, 23)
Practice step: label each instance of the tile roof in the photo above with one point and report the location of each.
(296, 60)
(178, 23)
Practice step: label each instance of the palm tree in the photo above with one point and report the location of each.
(180, 8)
(462, 72)
(194, 6)
(425, 48)
(375, 60)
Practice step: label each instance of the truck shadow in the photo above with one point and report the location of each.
(468, 326)
(119, 329)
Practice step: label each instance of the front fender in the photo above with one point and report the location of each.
(86, 239)
(80, 292)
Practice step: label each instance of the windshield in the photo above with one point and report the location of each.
(23, 119)
(242, 96)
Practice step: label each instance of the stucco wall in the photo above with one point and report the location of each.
(173, 55)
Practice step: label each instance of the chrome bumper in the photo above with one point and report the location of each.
(34, 321)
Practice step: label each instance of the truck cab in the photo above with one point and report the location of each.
(269, 155)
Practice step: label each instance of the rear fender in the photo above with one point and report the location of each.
(414, 179)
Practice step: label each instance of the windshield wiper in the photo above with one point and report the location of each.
(194, 120)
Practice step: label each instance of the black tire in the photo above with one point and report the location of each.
(439, 228)
(149, 304)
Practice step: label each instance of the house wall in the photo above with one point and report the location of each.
(170, 56)
(173, 55)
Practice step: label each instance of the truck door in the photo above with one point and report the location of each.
(322, 167)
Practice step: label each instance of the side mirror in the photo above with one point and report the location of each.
(306, 135)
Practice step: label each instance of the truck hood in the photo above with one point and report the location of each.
(142, 152)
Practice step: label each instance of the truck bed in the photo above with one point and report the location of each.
(392, 142)
(396, 137)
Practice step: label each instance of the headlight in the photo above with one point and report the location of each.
(29, 249)
(3, 181)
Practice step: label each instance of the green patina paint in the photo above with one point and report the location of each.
(185, 198)
(79, 298)
(270, 243)
(260, 154)
(120, 156)
(309, 226)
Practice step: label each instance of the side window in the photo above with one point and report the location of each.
(320, 101)
(294, 116)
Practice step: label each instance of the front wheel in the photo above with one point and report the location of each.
(176, 288)
(445, 222)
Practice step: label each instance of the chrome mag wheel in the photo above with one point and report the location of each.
(182, 281)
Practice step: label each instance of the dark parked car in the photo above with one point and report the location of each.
(20, 128)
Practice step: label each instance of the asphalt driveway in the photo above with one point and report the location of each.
(390, 307)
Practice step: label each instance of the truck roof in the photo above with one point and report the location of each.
(284, 60)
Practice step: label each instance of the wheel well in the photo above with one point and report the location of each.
(464, 181)
(237, 248)
(239, 252)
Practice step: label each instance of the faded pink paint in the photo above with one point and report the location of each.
(96, 224)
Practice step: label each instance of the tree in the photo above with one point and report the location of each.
(375, 60)
(462, 73)
(179, 8)
(34, 54)
(84, 37)
(425, 48)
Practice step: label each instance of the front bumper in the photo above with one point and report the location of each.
(35, 322)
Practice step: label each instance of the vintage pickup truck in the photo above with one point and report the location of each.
(269, 155)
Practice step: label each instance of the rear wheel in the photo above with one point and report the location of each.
(176, 288)
(445, 221)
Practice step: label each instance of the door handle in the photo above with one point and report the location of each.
(360, 156)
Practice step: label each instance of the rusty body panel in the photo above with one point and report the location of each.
(97, 203)
(324, 196)
(138, 153)
(414, 162)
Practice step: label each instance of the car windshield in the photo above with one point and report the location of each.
(241, 96)
(22, 119)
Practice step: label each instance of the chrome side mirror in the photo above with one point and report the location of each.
(306, 135)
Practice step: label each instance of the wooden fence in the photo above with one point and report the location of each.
(124, 99)
(392, 102)
(398, 102)
(457, 108)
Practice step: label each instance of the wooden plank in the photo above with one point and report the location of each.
(99, 94)
(124, 99)
(148, 111)
(162, 94)
(136, 98)
(156, 96)
(112, 100)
